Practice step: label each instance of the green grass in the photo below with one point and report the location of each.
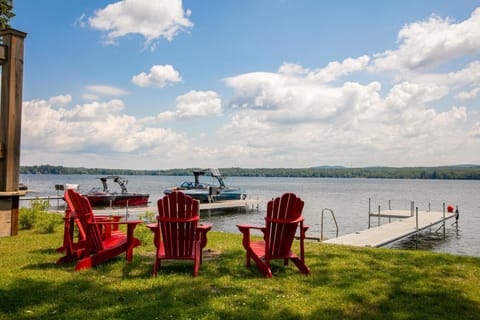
(346, 283)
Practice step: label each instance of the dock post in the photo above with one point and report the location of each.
(457, 216)
(416, 224)
(369, 211)
(444, 221)
(378, 214)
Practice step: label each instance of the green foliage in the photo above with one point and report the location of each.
(466, 172)
(6, 13)
(148, 217)
(28, 217)
(47, 222)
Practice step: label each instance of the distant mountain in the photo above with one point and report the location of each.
(329, 167)
(464, 166)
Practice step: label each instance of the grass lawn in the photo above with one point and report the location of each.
(346, 283)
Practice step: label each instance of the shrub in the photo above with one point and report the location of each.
(148, 217)
(29, 216)
(26, 218)
(48, 222)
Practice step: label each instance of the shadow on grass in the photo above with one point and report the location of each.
(346, 283)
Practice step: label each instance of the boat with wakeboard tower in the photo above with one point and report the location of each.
(209, 192)
(107, 198)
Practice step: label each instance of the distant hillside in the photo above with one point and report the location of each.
(329, 167)
(461, 172)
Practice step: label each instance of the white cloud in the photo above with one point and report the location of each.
(475, 131)
(90, 96)
(107, 90)
(60, 100)
(97, 127)
(292, 69)
(301, 118)
(466, 95)
(294, 117)
(195, 104)
(426, 44)
(159, 76)
(335, 69)
(151, 19)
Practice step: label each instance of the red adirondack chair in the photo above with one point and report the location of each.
(74, 232)
(99, 238)
(178, 235)
(284, 216)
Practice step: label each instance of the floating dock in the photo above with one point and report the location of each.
(410, 223)
(208, 208)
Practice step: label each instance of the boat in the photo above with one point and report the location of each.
(106, 198)
(209, 192)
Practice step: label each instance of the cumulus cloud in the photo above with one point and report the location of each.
(336, 69)
(344, 112)
(426, 44)
(97, 127)
(466, 95)
(291, 110)
(319, 115)
(475, 131)
(195, 104)
(151, 19)
(159, 76)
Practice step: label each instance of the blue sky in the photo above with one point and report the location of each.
(143, 84)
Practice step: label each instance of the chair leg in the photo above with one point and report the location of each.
(301, 265)
(156, 266)
(247, 262)
(262, 266)
(130, 247)
(196, 266)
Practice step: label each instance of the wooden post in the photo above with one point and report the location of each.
(416, 227)
(11, 59)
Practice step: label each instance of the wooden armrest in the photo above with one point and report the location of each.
(116, 217)
(247, 226)
(117, 222)
(205, 226)
(166, 219)
(152, 226)
(299, 219)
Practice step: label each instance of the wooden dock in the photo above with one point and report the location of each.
(406, 226)
(209, 208)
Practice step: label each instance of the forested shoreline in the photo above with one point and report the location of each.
(461, 172)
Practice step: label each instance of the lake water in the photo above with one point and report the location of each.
(348, 198)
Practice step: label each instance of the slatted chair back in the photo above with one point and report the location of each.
(284, 214)
(178, 216)
(81, 208)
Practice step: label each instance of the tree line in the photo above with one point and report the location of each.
(465, 172)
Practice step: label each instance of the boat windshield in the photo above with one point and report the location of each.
(187, 184)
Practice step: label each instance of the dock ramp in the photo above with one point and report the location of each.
(406, 226)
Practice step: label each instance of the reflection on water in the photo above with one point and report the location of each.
(348, 198)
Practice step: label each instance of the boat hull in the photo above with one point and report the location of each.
(205, 196)
(117, 200)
